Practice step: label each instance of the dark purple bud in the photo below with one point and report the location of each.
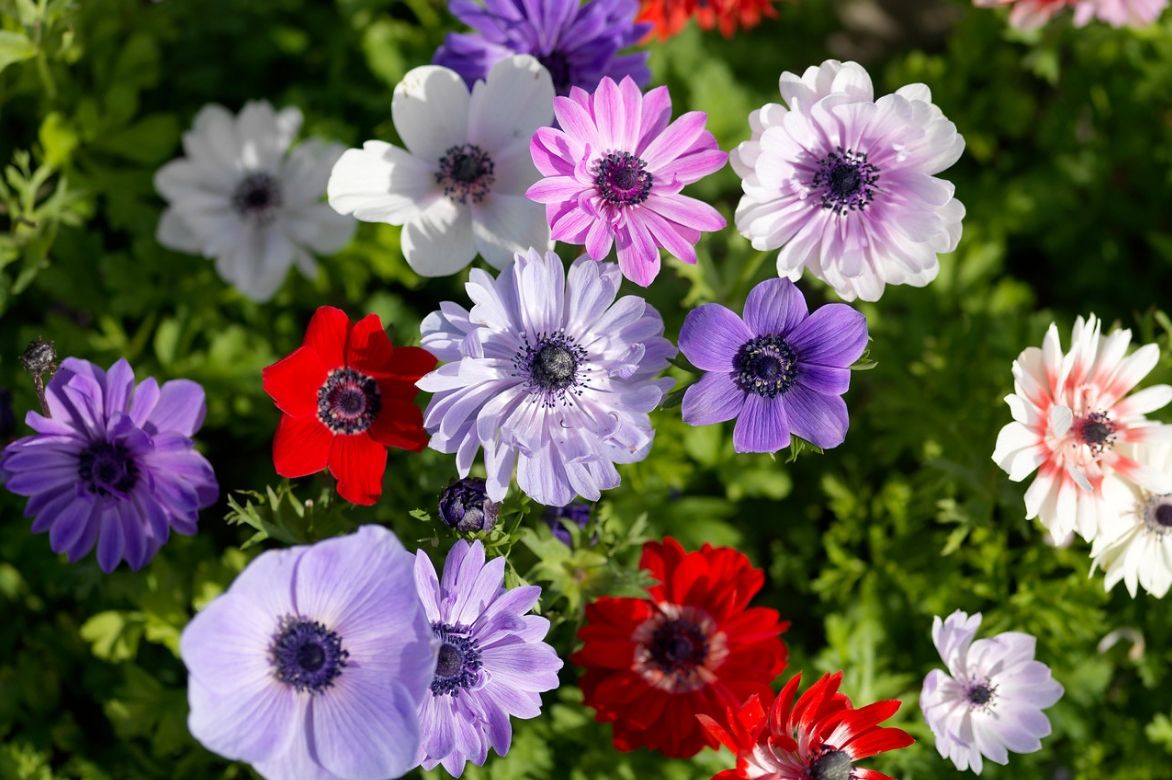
(39, 357)
(465, 506)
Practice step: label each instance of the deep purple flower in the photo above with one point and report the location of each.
(314, 662)
(492, 662)
(780, 370)
(577, 513)
(578, 43)
(466, 507)
(113, 463)
(614, 172)
(548, 373)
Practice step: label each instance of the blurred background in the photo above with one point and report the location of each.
(1067, 179)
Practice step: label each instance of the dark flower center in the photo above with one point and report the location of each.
(552, 368)
(106, 468)
(678, 646)
(831, 765)
(458, 666)
(1157, 515)
(1164, 515)
(466, 173)
(349, 401)
(622, 179)
(306, 655)
(559, 70)
(980, 694)
(766, 366)
(465, 506)
(1097, 432)
(845, 181)
(257, 197)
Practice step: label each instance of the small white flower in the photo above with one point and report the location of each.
(241, 197)
(1138, 548)
(459, 187)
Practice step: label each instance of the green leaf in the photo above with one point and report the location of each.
(113, 635)
(15, 47)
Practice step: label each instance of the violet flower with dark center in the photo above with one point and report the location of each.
(779, 370)
(466, 507)
(578, 43)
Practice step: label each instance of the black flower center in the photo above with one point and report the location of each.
(306, 655)
(678, 646)
(980, 694)
(831, 765)
(257, 197)
(766, 366)
(845, 181)
(349, 401)
(458, 666)
(106, 468)
(552, 369)
(622, 179)
(1157, 514)
(1164, 515)
(466, 173)
(1096, 431)
(559, 70)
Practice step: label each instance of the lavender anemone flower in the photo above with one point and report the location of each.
(112, 463)
(578, 43)
(492, 662)
(314, 662)
(614, 174)
(778, 371)
(992, 702)
(546, 373)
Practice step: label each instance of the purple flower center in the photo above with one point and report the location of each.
(257, 198)
(458, 666)
(1164, 515)
(980, 694)
(105, 468)
(349, 401)
(845, 181)
(551, 368)
(559, 70)
(1096, 431)
(831, 765)
(466, 173)
(678, 646)
(1158, 514)
(766, 366)
(622, 179)
(306, 655)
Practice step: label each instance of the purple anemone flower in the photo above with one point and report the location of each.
(548, 373)
(578, 43)
(779, 370)
(313, 664)
(113, 463)
(614, 172)
(577, 513)
(492, 662)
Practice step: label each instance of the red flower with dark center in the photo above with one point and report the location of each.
(347, 394)
(818, 738)
(670, 16)
(692, 647)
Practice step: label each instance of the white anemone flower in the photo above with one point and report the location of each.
(1137, 550)
(459, 186)
(241, 197)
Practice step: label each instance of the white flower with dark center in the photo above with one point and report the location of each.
(242, 197)
(1137, 548)
(459, 186)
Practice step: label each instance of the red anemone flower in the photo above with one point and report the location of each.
(347, 394)
(818, 738)
(692, 647)
(670, 16)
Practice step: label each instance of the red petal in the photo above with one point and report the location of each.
(370, 348)
(293, 382)
(877, 741)
(358, 462)
(326, 335)
(606, 654)
(301, 446)
(399, 424)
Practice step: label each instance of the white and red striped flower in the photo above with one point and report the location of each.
(1070, 411)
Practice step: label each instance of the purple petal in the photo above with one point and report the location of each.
(762, 425)
(711, 336)
(70, 524)
(775, 307)
(828, 380)
(110, 540)
(146, 395)
(180, 408)
(820, 419)
(675, 138)
(252, 723)
(366, 726)
(834, 335)
(475, 596)
(714, 399)
(119, 385)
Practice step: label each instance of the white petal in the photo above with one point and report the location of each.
(320, 228)
(516, 99)
(174, 233)
(430, 109)
(506, 224)
(381, 183)
(439, 241)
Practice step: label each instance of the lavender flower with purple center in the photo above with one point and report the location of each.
(313, 664)
(578, 43)
(779, 370)
(492, 663)
(113, 463)
(991, 699)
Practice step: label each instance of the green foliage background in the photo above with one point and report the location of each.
(1067, 179)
